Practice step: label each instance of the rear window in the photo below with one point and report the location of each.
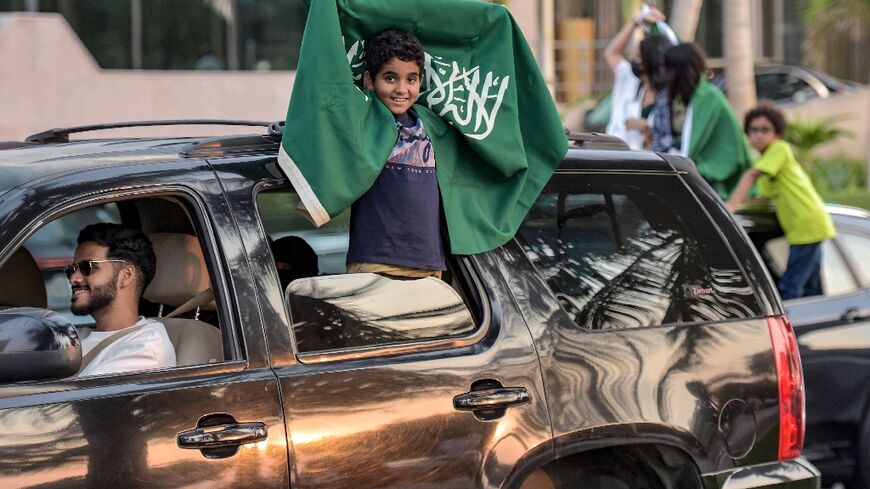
(625, 251)
(333, 311)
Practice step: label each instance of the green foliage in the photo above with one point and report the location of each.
(805, 136)
(828, 20)
(838, 175)
(629, 8)
(855, 198)
(832, 175)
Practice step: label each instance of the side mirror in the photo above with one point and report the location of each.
(37, 344)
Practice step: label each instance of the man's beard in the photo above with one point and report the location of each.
(99, 298)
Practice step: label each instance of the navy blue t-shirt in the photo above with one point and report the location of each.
(398, 221)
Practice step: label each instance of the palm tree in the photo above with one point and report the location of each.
(828, 21)
(684, 18)
(739, 66)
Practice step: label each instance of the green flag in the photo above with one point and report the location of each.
(716, 142)
(495, 130)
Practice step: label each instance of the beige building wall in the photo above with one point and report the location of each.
(49, 79)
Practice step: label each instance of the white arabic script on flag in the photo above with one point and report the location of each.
(467, 97)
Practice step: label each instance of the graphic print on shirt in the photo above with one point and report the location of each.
(412, 147)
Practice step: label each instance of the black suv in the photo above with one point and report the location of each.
(628, 337)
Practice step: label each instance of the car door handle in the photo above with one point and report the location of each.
(499, 397)
(850, 315)
(222, 435)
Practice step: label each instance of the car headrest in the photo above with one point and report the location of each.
(21, 283)
(181, 271)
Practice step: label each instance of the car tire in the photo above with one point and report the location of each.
(604, 470)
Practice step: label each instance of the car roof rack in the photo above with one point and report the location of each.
(232, 145)
(61, 135)
(596, 140)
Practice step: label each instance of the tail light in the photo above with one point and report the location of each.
(789, 376)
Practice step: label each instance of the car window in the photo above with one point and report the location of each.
(332, 310)
(858, 250)
(783, 87)
(52, 247)
(836, 278)
(618, 254)
(183, 271)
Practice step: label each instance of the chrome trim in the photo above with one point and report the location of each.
(496, 398)
(222, 435)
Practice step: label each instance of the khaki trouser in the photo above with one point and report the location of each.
(392, 270)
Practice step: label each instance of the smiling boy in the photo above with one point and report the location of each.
(799, 208)
(395, 227)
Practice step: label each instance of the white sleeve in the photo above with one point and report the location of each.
(624, 105)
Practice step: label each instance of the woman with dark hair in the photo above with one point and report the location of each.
(698, 121)
(635, 83)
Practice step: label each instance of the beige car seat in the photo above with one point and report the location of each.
(21, 283)
(181, 276)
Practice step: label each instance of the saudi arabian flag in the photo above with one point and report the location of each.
(494, 128)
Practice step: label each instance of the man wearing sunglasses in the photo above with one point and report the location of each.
(112, 266)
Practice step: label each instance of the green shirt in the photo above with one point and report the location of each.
(799, 208)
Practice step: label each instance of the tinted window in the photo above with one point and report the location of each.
(631, 252)
(783, 87)
(331, 310)
(858, 249)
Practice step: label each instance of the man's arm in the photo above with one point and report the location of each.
(743, 186)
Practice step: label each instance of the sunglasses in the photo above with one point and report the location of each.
(86, 266)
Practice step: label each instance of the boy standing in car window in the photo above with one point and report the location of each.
(799, 208)
(112, 266)
(395, 227)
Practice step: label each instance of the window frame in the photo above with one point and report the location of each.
(476, 298)
(228, 315)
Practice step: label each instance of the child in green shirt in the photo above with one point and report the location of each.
(799, 208)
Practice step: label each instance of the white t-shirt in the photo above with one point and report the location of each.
(146, 348)
(626, 100)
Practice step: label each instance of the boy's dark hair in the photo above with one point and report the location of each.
(652, 52)
(685, 64)
(126, 244)
(767, 110)
(389, 44)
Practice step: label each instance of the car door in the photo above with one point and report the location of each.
(126, 430)
(833, 332)
(391, 415)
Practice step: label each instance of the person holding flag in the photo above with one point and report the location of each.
(636, 83)
(395, 227)
(487, 113)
